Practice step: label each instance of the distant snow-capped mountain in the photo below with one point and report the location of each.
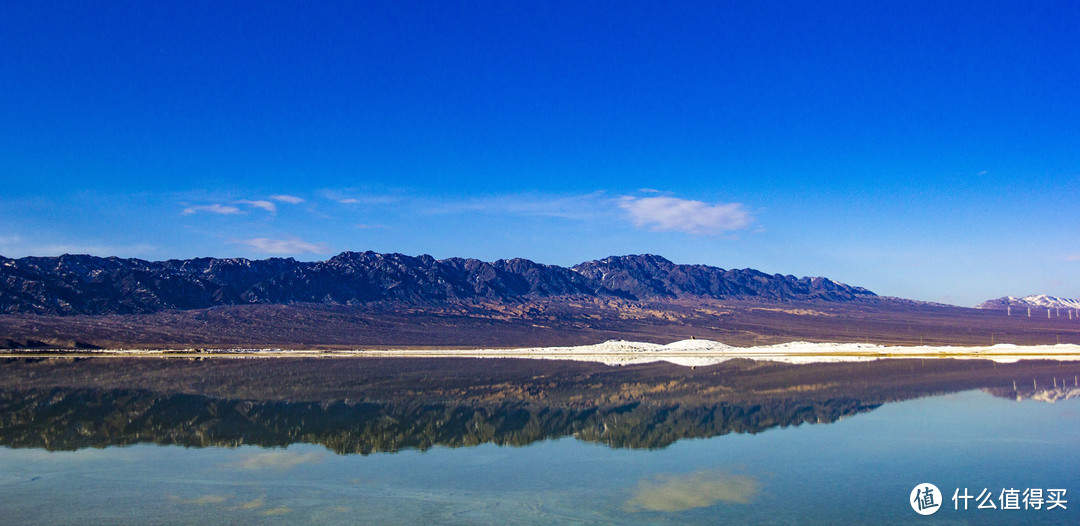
(1041, 301)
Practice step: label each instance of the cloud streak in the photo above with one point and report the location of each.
(671, 214)
(353, 196)
(265, 205)
(261, 204)
(291, 199)
(283, 246)
(655, 210)
(579, 207)
(212, 209)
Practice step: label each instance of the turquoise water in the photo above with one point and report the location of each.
(859, 469)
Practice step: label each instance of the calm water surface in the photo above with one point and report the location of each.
(849, 464)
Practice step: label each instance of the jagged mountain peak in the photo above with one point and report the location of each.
(639, 260)
(651, 276)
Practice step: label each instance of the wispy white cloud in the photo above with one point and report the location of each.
(283, 246)
(671, 214)
(582, 206)
(213, 209)
(265, 205)
(567, 206)
(370, 200)
(1072, 257)
(365, 226)
(291, 199)
(651, 209)
(353, 196)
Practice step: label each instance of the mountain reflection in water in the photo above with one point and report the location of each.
(384, 405)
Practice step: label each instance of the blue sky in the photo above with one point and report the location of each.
(928, 150)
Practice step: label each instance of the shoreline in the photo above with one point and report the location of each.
(618, 352)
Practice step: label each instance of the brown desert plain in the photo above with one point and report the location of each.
(538, 323)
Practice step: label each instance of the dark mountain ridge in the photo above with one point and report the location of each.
(82, 284)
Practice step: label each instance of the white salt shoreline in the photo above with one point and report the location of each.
(707, 352)
(619, 352)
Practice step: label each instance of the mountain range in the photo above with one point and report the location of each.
(83, 284)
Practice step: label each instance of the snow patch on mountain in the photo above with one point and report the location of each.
(1042, 301)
